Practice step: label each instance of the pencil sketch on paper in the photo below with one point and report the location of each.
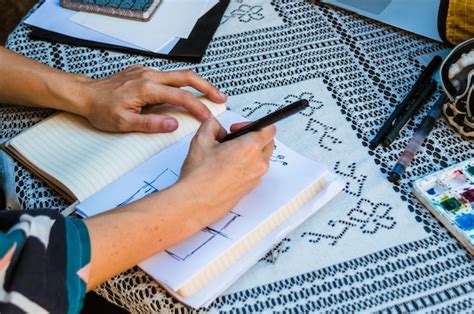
(164, 179)
(206, 236)
(190, 247)
(278, 158)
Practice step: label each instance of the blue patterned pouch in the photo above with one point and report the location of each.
(131, 9)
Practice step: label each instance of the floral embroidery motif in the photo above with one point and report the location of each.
(245, 13)
(371, 217)
(314, 104)
(279, 249)
(367, 216)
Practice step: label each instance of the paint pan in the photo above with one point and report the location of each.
(455, 179)
(435, 187)
(470, 170)
(468, 195)
(451, 204)
(465, 222)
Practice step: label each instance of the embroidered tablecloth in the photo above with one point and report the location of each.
(374, 247)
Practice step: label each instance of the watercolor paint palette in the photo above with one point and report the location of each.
(449, 195)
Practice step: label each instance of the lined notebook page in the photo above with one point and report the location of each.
(85, 160)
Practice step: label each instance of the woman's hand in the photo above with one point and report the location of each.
(217, 175)
(115, 103)
(213, 179)
(111, 104)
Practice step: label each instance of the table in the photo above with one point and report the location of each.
(374, 247)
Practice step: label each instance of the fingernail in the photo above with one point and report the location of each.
(170, 124)
(222, 94)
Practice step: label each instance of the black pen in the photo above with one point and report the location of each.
(269, 119)
(422, 97)
(424, 77)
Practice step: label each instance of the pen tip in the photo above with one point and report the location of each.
(386, 143)
(393, 177)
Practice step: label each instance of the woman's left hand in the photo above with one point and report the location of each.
(112, 104)
(115, 104)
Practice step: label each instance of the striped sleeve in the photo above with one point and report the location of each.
(44, 262)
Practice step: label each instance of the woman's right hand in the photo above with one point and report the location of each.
(213, 179)
(217, 175)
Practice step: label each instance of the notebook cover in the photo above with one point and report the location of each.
(191, 49)
(136, 5)
(130, 9)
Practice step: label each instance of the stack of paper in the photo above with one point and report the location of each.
(173, 20)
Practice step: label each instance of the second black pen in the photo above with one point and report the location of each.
(401, 108)
(421, 98)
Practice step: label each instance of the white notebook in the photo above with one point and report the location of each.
(195, 270)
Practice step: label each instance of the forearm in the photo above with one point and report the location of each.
(124, 237)
(26, 82)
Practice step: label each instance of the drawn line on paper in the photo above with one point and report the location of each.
(149, 187)
(278, 158)
(212, 234)
(216, 232)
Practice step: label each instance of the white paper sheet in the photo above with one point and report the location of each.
(416, 16)
(289, 174)
(227, 278)
(209, 5)
(61, 24)
(287, 177)
(173, 18)
(168, 47)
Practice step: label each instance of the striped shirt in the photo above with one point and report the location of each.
(44, 265)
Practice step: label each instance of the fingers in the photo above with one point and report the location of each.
(237, 126)
(262, 137)
(185, 99)
(160, 87)
(149, 123)
(268, 151)
(190, 78)
(180, 78)
(210, 131)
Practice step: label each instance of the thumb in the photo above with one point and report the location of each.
(211, 130)
(151, 123)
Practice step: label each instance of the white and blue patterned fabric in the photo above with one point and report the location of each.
(141, 5)
(373, 248)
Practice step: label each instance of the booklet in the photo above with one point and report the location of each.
(138, 10)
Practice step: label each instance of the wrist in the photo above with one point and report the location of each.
(194, 210)
(70, 94)
(80, 99)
